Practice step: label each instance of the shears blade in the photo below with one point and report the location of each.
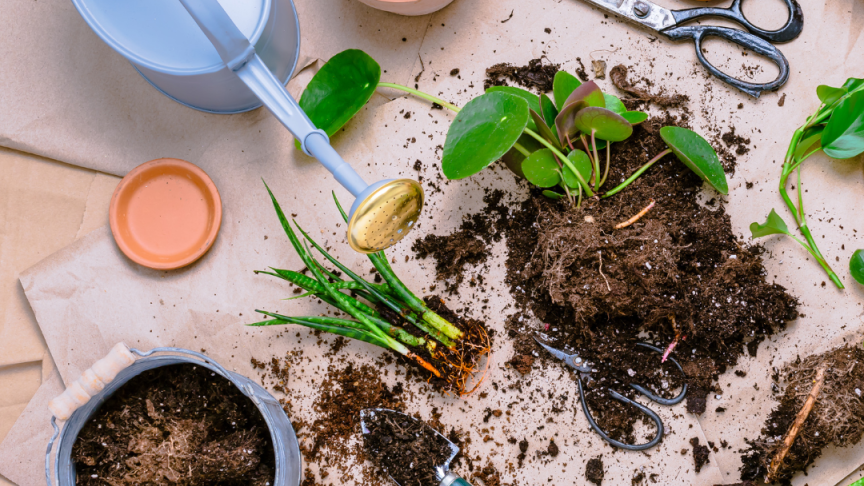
(640, 11)
(572, 360)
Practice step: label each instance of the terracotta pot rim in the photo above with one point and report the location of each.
(214, 215)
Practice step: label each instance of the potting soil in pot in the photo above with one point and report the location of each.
(179, 424)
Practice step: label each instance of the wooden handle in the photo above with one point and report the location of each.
(91, 381)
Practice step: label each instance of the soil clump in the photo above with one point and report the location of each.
(837, 418)
(533, 75)
(594, 470)
(406, 449)
(700, 454)
(179, 425)
(618, 75)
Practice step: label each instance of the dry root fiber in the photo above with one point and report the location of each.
(837, 416)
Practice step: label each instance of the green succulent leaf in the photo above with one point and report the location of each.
(553, 194)
(774, 225)
(541, 169)
(531, 98)
(339, 90)
(811, 141)
(562, 85)
(843, 137)
(607, 125)
(582, 163)
(829, 95)
(548, 110)
(543, 130)
(635, 117)
(485, 129)
(589, 93)
(514, 158)
(697, 154)
(856, 266)
(614, 104)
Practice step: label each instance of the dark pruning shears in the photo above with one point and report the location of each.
(584, 373)
(761, 41)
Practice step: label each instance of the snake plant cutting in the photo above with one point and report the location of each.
(837, 129)
(554, 142)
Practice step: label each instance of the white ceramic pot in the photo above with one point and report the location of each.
(408, 7)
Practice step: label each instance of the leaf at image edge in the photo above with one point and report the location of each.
(856, 266)
(843, 137)
(697, 154)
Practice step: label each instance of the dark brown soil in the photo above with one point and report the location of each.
(489, 475)
(700, 454)
(535, 75)
(618, 75)
(594, 470)
(405, 448)
(836, 419)
(178, 425)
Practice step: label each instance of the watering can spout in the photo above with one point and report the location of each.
(383, 212)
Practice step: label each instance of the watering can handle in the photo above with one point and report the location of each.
(239, 55)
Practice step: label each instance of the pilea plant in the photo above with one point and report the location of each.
(837, 129)
(538, 138)
(450, 353)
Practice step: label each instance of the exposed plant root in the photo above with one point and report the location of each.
(424, 364)
(635, 218)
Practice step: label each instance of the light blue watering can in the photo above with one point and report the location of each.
(160, 38)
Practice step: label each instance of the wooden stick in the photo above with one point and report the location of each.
(796, 426)
(635, 218)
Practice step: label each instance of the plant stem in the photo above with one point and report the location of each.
(637, 173)
(596, 161)
(420, 94)
(521, 149)
(606, 171)
(563, 159)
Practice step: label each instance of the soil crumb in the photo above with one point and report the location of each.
(618, 75)
(489, 475)
(836, 419)
(405, 448)
(534, 75)
(594, 470)
(700, 454)
(178, 425)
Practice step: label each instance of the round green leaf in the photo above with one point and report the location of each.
(485, 129)
(531, 98)
(340, 89)
(580, 160)
(552, 195)
(635, 117)
(607, 125)
(856, 266)
(514, 158)
(843, 137)
(589, 93)
(697, 154)
(541, 169)
(614, 104)
(562, 85)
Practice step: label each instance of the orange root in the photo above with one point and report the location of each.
(635, 218)
(424, 364)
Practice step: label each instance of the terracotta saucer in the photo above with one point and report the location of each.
(165, 214)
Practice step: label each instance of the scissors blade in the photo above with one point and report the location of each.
(554, 352)
(643, 12)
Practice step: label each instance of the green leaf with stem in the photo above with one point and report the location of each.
(514, 157)
(614, 104)
(635, 117)
(531, 98)
(542, 129)
(349, 332)
(561, 157)
(696, 153)
(843, 137)
(553, 195)
(602, 123)
(589, 93)
(562, 85)
(541, 169)
(774, 225)
(548, 110)
(829, 95)
(394, 331)
(582, 163)
(565, 123)
(811, 142)
(638, 173)
(340, 89)
(484, 130)
(856, 266)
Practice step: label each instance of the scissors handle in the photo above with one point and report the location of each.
(616, 443)
(746, 40)
(792, 29)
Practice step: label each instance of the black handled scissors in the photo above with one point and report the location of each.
(584, 373)
(669, 23)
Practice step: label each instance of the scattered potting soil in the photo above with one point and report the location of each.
(535, 75)
(178, 425)
(618, 75)
(700, 454)
(594, 470)
(488, 475)
(405, 448)
(837, 418)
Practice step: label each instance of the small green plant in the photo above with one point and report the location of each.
(553, 144)
(450, 354)
(837, 129)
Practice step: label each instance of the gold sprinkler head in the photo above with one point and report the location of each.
(385, 216)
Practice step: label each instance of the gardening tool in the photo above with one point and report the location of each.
(584, 373)
(83, 398)
(443, 474)
(172, 54)
(761, 41)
